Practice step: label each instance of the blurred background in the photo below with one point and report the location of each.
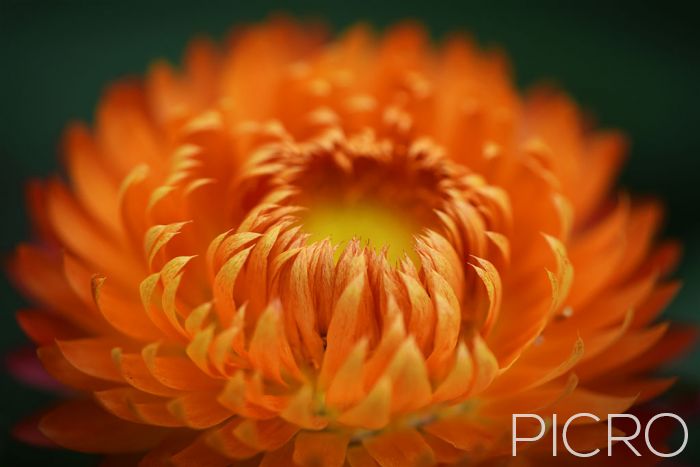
(630, 65)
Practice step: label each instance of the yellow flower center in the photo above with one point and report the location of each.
(371, 223)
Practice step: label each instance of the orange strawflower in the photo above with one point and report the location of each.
(366, 251)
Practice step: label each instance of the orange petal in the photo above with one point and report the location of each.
(374, 411)
(92, 356)
(345, 328)
(359, 457)
(199, 453)
(199, 410)
(303, 410)
(135, 372)
(223, 440)
(409, 378)
(43, 328)
(177, 372)
(57, 366)
(405, 447)
(320, 449)
(347, 385)
(266, 435)
(126, 316)
(83, 426)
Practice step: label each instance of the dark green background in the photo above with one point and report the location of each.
(633, 66)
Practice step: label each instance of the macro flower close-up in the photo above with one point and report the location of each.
(318, 249)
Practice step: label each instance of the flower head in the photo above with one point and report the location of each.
(366, 250)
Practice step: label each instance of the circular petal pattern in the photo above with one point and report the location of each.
(367, 251)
